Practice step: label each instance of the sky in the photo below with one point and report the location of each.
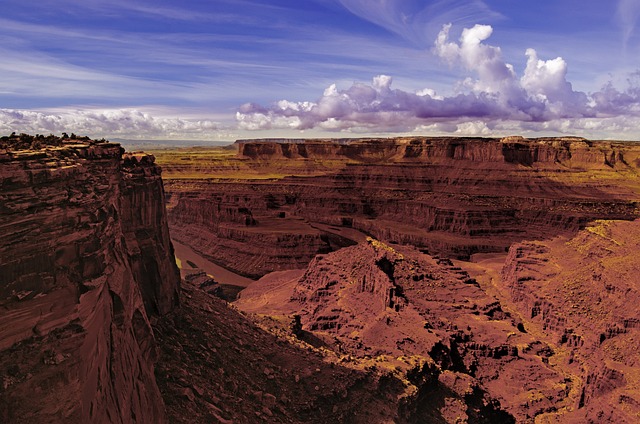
(212, 70)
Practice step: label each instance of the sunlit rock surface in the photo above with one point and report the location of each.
(85, 264)
(258, 211)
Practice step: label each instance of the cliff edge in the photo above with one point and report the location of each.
(85, 264)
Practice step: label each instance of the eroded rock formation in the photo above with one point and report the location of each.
(395, 304)
(85, 264)
(583, 295)
(448, 196)
(377, 331)
(232, 372)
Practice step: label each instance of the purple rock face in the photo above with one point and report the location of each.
(85, 261)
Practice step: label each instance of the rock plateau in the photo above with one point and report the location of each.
(272, 207)
(505, 264)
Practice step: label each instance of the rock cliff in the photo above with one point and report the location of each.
(393, 305)
(571, 151)
(85, 264)
(551, 335)
(216, 366)
(582, 293)
(513, 338)
(448, 196)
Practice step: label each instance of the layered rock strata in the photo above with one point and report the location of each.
(85, 264)
(393, 304)
(583, 294)
(222, 226)
(216, 366)
(448, 196)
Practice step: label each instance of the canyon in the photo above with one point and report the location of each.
(393, 248)
(405, 280)
(276, 205)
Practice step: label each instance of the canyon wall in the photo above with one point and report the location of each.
(393, 305)
(219, 365)
(549, 337)
(448, 196)
(85, 264)
(583, 294)
(572, 151)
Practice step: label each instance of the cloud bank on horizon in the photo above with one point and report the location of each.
(114, 122)
(494, 99)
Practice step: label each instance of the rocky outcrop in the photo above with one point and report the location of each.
(573, 151)
(389, 303)
(86, 263)
(583, 293)
(145, 228)
(216, 365)
(370, 273)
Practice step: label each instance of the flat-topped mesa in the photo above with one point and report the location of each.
(570, 151)
(85, 263)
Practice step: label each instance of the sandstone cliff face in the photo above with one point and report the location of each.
(583, 294)
(220, 224)
(144, 223)
(216, 365)
(85, 262)
(394, 304)
(573, 151)
(245, 229)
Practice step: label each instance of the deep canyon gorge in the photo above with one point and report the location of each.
(400, 280)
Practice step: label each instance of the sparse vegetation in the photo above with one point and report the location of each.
(601, 228)
(205, 163)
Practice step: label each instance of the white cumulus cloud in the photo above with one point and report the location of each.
(491, 98)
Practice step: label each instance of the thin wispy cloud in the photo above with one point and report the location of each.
(149, 9)
(418, 21)
(628, 14)
(189, 69)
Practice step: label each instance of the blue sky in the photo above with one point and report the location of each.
(221, 70)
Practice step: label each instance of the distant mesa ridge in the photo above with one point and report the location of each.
(452, 196)
(512, 149)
